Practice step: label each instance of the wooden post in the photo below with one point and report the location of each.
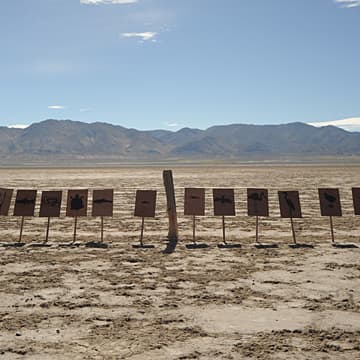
(75, 225)
(21, 228)
(332, 230)
(257, 229)
(142, 232)
(293, 230)
(47, 230)
(194, 240)
(171, 205)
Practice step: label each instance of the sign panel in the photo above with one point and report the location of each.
(5, 200)
(289, 204)
(145, 203)
(77, 203)
(356, 200)
(257, 202)
(50, 204)
(194, 201)
(102, 202)
(25, 203)
(330, 202)
(224, 202)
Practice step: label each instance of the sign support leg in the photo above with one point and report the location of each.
(47, 230)
(75, 225)
(257, 229)
(332, 230)
(223, 229)
(21, 228)
(102, 229)
(293, 230)
(194, 238)
(142, 232)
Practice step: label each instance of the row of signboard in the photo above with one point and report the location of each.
(145, 203)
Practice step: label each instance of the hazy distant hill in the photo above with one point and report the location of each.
(65, 139)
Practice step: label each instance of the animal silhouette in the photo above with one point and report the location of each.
(25, 201)
(223, 199)
(330, 199)
(289, 202)
(256, 197)
(102, 201)
(51, 201)
(77, 202)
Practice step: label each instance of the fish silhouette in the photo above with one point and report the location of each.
(193, 197)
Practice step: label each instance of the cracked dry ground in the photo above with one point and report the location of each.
(122, 303)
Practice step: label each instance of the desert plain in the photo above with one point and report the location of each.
(75, 302)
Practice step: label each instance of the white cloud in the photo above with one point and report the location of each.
(348, 3)
(350, 124)
(56, 107)
(144, 36)
(18, 126)
(97, 2)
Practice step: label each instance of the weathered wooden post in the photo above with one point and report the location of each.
(171, 205)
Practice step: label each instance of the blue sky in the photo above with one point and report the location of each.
(173, 63)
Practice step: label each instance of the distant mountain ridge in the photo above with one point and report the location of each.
(67, 139)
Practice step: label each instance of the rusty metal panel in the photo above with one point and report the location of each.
(145, 203)
(257, 202)
(102, 202)
(5, 200)
(50, 205)
(224, 202)
(25, 203)
(194, 201)
(356, 200)
(330, 202)
(289, 204)
(77, 203)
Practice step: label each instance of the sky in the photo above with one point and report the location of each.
(168, 64)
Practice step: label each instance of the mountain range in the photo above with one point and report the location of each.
(65, 139)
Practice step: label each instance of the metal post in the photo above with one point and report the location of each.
(293, 230)
(257, 229)
(21, 228)
(223, 228)
(75, 225)
(194, 240)
(142, 232)
(332, 230)
(47, 230)
(171, 205)
(102, 229)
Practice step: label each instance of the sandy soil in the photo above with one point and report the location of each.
(121, 303)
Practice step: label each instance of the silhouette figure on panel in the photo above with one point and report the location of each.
(330, 199)
(25, 201)
(51, 201)
(77, 202)
(102, 201)
(257, 198)
(290, 204)
(223, 199)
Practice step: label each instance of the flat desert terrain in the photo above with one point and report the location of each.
(75, 302)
